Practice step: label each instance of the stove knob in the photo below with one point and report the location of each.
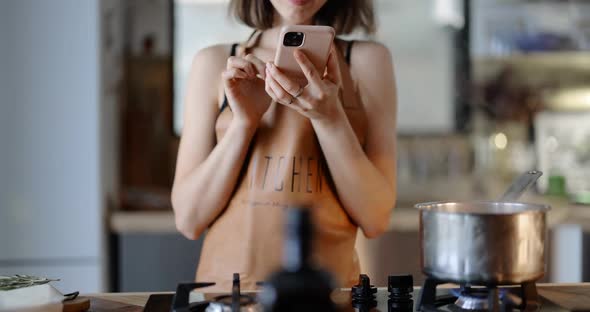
(401, 289)
(236, 295)
(400, 285)
(364, 291)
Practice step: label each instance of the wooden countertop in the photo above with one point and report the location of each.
(574, 297)
(134, 298)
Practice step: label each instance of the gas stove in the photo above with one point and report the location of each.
(400, 295)
(300, 286)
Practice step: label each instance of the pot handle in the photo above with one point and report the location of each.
(520, 185)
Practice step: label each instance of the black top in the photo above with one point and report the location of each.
(233, 53)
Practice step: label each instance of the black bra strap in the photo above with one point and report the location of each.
(232, 53)
(234, 47)
(348, 50)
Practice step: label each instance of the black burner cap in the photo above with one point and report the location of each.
(400, 284)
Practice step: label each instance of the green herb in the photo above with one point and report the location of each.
(22, 281)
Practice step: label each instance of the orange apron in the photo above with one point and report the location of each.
(284, 167)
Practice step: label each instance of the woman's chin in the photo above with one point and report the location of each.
(297, 11)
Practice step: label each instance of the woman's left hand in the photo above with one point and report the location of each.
(319, 99)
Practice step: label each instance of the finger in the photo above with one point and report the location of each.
(258, 65)
(283, 96)
(233, 73)
(293, 105)
(271, 93)
(238, 62)
(312, 75)
(292, 87)
(279, 95)
(333, 68)
(269, 90)
(276, 99)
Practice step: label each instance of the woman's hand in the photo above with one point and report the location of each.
(319, 100)
(244, 87)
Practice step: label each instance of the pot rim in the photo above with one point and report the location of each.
(522, 207)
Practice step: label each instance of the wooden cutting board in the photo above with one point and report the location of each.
(80, 304)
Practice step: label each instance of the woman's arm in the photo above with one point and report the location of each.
(206, 172)
(365, 180)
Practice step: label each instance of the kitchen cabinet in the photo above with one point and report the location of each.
(570, 254)
(153, 261)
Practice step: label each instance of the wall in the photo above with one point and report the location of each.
(422, 51)
(51, 201)
(5, 97)
(149, 17)
(194, 22)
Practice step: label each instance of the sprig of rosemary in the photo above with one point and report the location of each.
(22, 281)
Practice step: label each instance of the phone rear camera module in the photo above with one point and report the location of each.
(293, 39)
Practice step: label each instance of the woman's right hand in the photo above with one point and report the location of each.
(244, 87)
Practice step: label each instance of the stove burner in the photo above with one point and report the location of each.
(228, 300)
(476, 298)
(225, 303)
(490, 298)
(235, 302)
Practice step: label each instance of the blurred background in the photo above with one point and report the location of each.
(90, 117)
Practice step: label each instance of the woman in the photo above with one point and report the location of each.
(255, 142)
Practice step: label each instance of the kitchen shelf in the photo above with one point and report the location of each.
(142, 222)
(403, 219)
(536, 68)
(575, 60)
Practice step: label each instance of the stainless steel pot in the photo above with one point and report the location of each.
(483, 242)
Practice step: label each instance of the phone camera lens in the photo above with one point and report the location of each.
(293, 39)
